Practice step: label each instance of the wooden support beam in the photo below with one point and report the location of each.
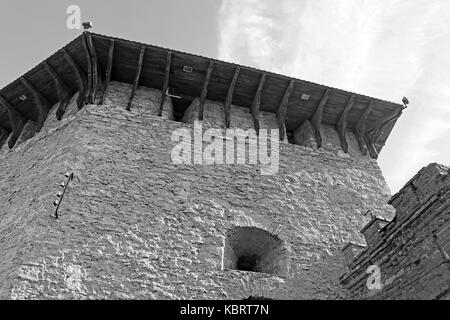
(62, 90)
(16, 119)
(108, 69)
(377, 130)
(94, 67)
(89, 70)
(166, 83)
(257, 103)
(205, 91)
(360, 129)
(229, 98)
(370, 146)
(282, 109)
(136, 78)
(3, 135)
(80, 77)
(342, 123)
(42, 105)
(316, 119)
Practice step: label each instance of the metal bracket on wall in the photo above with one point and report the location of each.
(57, 203)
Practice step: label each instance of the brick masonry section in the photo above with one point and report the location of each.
(412, 251)
(134, 225)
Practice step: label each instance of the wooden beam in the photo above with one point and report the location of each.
(316, 119)
(229, 97)
(80, 77)
(3, 135)
(95, 68)
(41, 103)
(62, 90)
(205, 90)
(136, 79)
(89, 70)
(16, 119)
(342, 123)
(257, 103)
(282, 109)
(370, 146)
(108, 69)
(377, 130)
(360, 129)
(166, 83)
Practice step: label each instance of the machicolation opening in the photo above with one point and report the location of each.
(256, 250)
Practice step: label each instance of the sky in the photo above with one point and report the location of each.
(384, 48)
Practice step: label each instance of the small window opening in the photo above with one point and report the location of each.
(255, 250)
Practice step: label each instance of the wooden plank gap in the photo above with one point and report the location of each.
(41, 103)
(62, 90)
(80, 78)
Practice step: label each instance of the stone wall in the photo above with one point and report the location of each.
(412, 250)
(134, 225)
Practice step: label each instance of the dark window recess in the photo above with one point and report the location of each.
(248, 263)
(254, 250)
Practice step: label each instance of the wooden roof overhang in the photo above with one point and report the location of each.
(109, 58)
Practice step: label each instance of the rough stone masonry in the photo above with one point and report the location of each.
(133, 225)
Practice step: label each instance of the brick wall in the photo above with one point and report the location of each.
(134, 225)
(411, 251)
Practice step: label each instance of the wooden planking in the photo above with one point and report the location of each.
(281, 112)
(247, 84)
(204, 92)
(361, 128)
(63, 91)
(272, 94)
(229, 98)
(41, 103)
(316, 119)
(126, 59)
(16, 119)
(190, 85)
(165, 88)
(256, 105)
(219, 83)
(80, 78)
(377, 129)
(108, 70)
(342, 124)
(136, 79)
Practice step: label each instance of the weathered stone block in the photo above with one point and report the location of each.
(304, 135)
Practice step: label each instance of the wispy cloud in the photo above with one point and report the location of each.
(386, 49)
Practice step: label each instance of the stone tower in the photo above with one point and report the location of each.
(92, 205)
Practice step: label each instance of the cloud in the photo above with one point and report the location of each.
(387, 49)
